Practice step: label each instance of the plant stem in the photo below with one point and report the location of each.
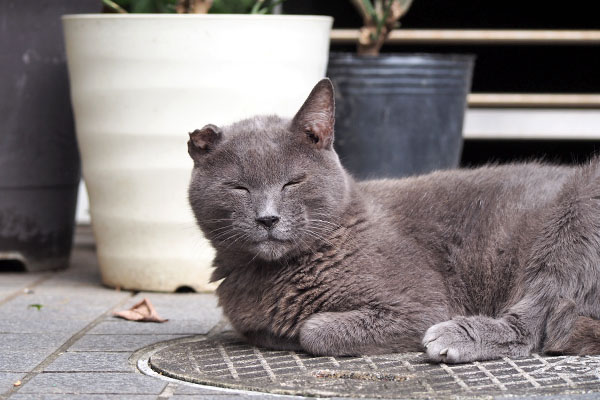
(379, 20)
(370, 9)
(193, 6)
(363, 10)
(274, 4)
(256, 7)
(114, 6)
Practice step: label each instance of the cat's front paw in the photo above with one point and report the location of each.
(450, 342)
(314, 336)
(326, 334)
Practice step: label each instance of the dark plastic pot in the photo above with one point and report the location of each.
(39, 161)
(399, 114)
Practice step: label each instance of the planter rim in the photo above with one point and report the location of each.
(390, 56)
(217, 17)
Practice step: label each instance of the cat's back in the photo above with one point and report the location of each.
(526, 185)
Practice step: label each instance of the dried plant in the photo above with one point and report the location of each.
(379, 18)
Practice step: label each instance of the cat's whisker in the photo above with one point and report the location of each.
(224, 233)
(218, 219)
(324, 224)
(216, 230)
(327, 218)
(223, 238)
(303, 243)
(253, 258)
(235, 240)
(316, 236)
(326, 229)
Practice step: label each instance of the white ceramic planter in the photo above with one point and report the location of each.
(139, 84)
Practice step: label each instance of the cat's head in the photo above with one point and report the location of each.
(270, 187)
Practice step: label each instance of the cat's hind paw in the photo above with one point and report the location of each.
(449, 342)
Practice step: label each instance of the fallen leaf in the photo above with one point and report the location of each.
(17, 383)
(143, 311)
(38, 306)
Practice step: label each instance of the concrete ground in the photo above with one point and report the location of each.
(59, 340)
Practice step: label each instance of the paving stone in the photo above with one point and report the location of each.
(32, 396)
(118, 342)
(5, 294)
(173, 327)
(23, 360)
(83, 271)
(184, 306)
(35, 324)
(7, 380)
(56, 304)
(93, 383)
(31, 341)
(90, 362)
(18, 280)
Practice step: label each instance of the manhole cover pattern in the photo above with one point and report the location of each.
(226, 361)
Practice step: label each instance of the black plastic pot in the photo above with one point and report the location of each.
(399, 114)
(39, 161)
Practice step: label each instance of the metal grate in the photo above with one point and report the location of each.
(226, 361)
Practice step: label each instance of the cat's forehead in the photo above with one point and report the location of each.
(262, 148)
(261, 133)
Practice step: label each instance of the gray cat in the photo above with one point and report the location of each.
(467, 265)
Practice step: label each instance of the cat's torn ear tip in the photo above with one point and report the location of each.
(326, 82)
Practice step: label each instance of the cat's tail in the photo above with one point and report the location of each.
(568, 333)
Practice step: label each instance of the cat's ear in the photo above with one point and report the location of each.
(316, 117)
(203, 140)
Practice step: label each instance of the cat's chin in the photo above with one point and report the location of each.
(271, 250)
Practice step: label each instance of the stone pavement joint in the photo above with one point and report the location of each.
(21, 290)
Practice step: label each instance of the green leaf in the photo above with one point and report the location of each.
(244, 6)
(370, 8)
(165, 6)
(267, 9)
(115, 6)
(231, 6)
(143, 6)
(38, 306)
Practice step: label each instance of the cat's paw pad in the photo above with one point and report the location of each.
(448, 342)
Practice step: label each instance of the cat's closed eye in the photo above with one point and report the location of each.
(238, 188)
(294, 182)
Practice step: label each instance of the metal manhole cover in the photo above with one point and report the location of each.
(228, 362)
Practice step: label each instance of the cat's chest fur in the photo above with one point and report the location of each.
(277, 297)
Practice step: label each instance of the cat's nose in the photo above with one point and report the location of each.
(268, 221)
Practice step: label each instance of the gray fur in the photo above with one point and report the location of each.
(468, 265)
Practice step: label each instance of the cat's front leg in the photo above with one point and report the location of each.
(466, 339)
(266, 339)
(357, 332)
